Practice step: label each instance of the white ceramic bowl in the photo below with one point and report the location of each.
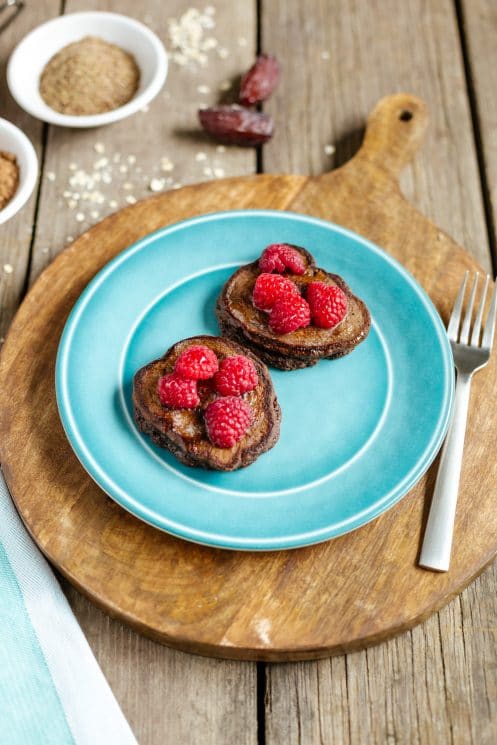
(14, 141)
(31, 55)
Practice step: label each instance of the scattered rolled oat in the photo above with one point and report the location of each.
(220, 149)
(200, 156)
(50, 175)
(156, 184)
(225, 85)
(219, 172)
(187, 37)
(8, 268)
(325, 55)
(209, 43)
(203, 89)
(242, 41)
(85, 192)
(165, 164)
(329, 149)
(223, 52)
(99, 147)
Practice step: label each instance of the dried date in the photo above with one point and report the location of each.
(260, 81)
(234, 125)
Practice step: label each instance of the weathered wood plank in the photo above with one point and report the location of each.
(166, 695)
(338, 59)
(435, 684)
(168, 129)
(16, 234)
(479, 26)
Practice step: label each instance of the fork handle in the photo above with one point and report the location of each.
(437, 542)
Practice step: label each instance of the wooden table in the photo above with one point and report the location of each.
(438, 682)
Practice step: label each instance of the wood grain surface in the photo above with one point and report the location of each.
(160, 690)
(478, 20)
(341, 595)
(18, 232)
(436, 683)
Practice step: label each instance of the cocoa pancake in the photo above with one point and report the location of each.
(241, 321)
(182, 431)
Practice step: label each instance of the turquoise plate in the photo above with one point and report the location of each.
(356, 433)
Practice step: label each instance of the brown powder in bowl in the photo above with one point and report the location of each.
(88, 77)
(9, 177)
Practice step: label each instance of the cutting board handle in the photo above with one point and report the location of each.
(394, 132)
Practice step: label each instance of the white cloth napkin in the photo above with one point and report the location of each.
(52, 691)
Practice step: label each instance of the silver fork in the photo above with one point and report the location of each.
(470, 355)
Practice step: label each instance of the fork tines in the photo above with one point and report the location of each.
(461, 333)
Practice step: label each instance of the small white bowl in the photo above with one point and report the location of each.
(14, 141)
(28, 59)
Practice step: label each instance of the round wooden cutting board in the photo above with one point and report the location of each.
(341, 595)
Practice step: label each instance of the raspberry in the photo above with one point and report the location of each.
(226, 420)
(288, 314)
(280, 256)
(177, 392)
(260, 81)
(271, 287)
(236, 375)
(328, 304)
(314, 292)
(197, 363)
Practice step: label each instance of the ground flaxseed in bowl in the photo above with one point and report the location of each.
(9, 177)
(89, 76)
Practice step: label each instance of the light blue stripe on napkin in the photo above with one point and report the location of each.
(52, 691)
(30, 708)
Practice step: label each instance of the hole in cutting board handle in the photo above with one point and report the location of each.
(406, 115)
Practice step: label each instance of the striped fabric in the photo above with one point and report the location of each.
(52, 691)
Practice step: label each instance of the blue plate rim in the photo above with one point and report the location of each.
(179, 530)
